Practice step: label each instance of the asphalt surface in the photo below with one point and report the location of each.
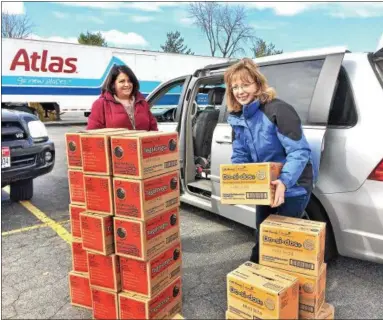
(36, 260)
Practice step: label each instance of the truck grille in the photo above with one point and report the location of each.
(22, 161)
(11, 131)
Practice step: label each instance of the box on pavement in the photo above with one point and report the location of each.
(79, 290)
(95, 147)
(165, 305)
(312, 291)
(74, 212)
(79, 256)
(232, 316)
(97, 233)
(104, 271)
(143, 199)
(105, 304)
(292, 244)
(255, 291)
(76, 187)
(150, 277)
(249, 183)
(143, 240)
(178, 316)
(99, 194)
(145, 155)
(327, 311)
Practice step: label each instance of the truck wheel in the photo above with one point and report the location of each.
(203, 133)
(21, 190)
(315, 212)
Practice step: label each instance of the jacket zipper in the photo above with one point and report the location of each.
(252, 138)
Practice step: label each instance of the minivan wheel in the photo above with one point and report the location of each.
(21, 190)
(314, 211)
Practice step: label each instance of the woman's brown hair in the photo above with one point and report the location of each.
(245, 69)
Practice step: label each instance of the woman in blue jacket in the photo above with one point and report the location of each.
(267, 129)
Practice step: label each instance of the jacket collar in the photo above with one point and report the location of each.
(108, 96)
(248, 110)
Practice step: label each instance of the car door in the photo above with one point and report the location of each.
(306, 81)
(171, 95)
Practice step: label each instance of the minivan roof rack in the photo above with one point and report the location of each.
(216, 66)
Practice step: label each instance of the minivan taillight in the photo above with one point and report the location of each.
(377, 173)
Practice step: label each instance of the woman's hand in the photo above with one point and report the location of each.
(279, 193)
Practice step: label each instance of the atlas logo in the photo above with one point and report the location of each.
(43, 62)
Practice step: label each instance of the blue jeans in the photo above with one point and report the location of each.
(292, 207)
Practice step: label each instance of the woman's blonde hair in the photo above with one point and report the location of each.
(245, 69)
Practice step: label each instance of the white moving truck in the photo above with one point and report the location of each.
(64, 77)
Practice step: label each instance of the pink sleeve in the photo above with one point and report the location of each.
(96, 119)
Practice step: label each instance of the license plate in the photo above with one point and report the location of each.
(5, 157)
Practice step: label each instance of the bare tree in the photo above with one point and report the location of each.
(15, 26)
(225, 26)
(260, 48)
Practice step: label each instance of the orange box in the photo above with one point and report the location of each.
(143, 240)
(327, 311)
(73, 150)
(255, 291)
(74, 212)
(105, 304)
(165, 305)
(79, 290)
(149, 278)
(99, 194)
(312, 292)
(292, 244)
(76, 187)
(143, 199)
(104, 271)
(79, 258)
(144, 155)
(95, 147)
(97, 233)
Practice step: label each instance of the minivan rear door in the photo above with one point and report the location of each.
(306, 80)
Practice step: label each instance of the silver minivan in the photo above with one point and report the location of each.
(339, 97)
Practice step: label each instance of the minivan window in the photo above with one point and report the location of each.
(343, 111)
(295, 83)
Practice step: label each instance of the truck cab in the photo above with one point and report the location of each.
(324, 86)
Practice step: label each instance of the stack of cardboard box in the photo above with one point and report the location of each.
(126, 232)
(288, 247)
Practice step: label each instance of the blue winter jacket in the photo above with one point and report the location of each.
(272, 132)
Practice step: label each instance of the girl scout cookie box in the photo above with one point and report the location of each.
(255, 291)
(249, 183)
(292, 244)
(145, 155)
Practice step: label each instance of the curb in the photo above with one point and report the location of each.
(64, 123)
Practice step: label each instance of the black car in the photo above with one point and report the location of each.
(26, 152)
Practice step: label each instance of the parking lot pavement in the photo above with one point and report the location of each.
(36, 258)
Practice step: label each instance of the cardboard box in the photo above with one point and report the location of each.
(149, 278)
(97, 233)
(99, 194)
(312, 291)
(95, 147)
(143, 199)
(249, 183)
(74, 213)
(79, 290)
(143, 240)
(104, 271)
(79, 256)
(255, 291)
(76, 187)
(73, 150)
(326, 312)
(105, 304)
(165, 305)
(292, 244)
(232, 316)
(144, 155)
